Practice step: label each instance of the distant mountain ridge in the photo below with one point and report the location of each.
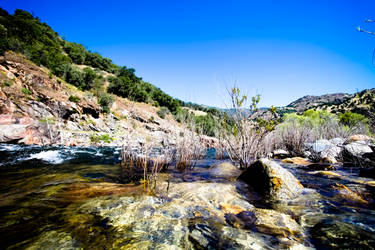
(310, 101)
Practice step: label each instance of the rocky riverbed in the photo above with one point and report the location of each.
(66, 197)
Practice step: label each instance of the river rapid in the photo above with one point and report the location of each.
(73, 198)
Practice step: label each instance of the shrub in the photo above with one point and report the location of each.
(246, 142)
(162, 112)
(352, 119)
(26, 91)
(101, 138)
(105, 100)
(74, 98)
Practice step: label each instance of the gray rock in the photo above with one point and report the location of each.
(357, 154)
(357, 148)
(272, 181)
(337, 141)
(281, 154)
(333, 152)
(321, 145)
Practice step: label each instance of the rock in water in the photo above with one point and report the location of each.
(357, 148)
(270, 180)
(297, 161)
(357, 154)
(321, 145)
(334, 234)
(225, 170)
(280, 154)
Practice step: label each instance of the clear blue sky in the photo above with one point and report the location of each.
(193, 49)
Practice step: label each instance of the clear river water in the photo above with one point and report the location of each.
(73, 198)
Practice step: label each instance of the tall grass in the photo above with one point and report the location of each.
(189, 147)
(143, 166)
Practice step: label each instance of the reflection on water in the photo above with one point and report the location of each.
(60, 197)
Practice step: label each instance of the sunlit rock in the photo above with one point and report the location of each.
(297, 161)
(269, 179)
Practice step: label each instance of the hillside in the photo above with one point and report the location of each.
(26, 34)
(37, 108)
(311, 102)
(362, 102)
(44, 77)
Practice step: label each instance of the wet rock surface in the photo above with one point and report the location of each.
(330, 234)
(272, 181)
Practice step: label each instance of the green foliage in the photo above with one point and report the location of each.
(74, 98)
(26, 91)
(89, 77)
(75, 77)
(3, 39)
(76, 52)
(105, 100)
(128, 85)
(207, 125)
(322, 124)
(101, 138)
(352, 119)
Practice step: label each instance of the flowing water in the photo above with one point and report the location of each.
(73, 198)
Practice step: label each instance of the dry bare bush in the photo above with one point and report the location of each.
(188, 149)
(246, 142)
(143, 165)
(292, 137)
(220, 152)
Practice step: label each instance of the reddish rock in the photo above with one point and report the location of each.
(6, 119)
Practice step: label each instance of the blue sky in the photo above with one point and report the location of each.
(194, 49)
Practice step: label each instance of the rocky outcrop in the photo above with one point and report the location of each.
(271, 181)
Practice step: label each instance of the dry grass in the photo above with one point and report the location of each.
(247, 146)
(188, 149)
(143, 166)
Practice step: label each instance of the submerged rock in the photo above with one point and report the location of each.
(333, 234)
(275, 223)
(270, 180)
(328, 174)
(329, 159)
(225, 170)
(347, 194)
(297, 161)
(321, 166)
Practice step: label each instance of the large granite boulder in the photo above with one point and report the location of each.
(358, 154)
(270, 180)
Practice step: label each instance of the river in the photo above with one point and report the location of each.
(73, 198)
